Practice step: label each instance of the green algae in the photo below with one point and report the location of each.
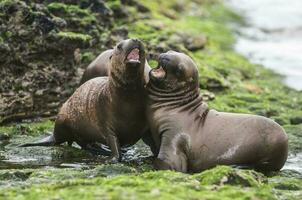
(88, 57)
(114, 4)
(32, 129)
(227, 175)
(295, 137)
(72, 13)
(149, 185)
(75, 36)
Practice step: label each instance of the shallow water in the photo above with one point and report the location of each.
(273, 36)
(294, 162)
(13, 157)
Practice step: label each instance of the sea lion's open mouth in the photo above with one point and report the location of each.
(133, 56)
(158, 72)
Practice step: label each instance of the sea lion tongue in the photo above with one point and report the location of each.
(133, 55)
(159, 72)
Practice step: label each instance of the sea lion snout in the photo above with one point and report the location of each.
(129, 58)
(174, 70)
(133, 51)
(159, 73)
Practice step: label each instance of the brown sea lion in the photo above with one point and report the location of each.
(101, 66)
(191, 138)
(108, 110)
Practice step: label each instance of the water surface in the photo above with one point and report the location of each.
(273, 36)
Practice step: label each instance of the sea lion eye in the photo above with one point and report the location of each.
(110, 57)
(179, 70)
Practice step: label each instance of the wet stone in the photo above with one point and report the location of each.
(296, 120)
(4, 136)
(194, 43)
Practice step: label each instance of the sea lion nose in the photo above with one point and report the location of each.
(135, 40)
(163, 58)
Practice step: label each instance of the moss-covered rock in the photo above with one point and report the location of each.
(231, 176)
(41, 49)
(149, 185)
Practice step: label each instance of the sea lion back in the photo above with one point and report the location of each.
(79, 112)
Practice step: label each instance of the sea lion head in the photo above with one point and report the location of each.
(175, 71)
(128, 57)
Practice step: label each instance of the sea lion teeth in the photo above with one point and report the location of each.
(158, 72)
(101, 67)
(133, 55)
(133, 61)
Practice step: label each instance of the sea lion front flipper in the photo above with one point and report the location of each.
(148, 140)
(161, 164)
(172, 153)
(114, 147)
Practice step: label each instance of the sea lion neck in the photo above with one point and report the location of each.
(127, 80)
(183, 98)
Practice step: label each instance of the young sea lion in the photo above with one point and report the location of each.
(190, 137)
(109, 110)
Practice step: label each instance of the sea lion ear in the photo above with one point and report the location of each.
(110, 57)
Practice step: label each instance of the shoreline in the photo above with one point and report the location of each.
(273, 40)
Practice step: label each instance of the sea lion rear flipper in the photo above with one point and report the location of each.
(47, 141)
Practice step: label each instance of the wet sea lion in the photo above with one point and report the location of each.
(190, 137)
(101, 66)
(108, 110)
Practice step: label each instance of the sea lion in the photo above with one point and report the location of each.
(190, 137)
(101, 66)
(98, 67)
(108, 110)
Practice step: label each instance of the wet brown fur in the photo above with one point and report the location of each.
(108, 110)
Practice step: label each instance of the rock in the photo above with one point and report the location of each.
(194, 43)
(15, 175)
(215, 84)
(39, 92)
(41, 45)
(296, 120)
(4, 136)
(208, 96)
(119, 10)
(44, 23)
(222, 175)
(118, 34)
